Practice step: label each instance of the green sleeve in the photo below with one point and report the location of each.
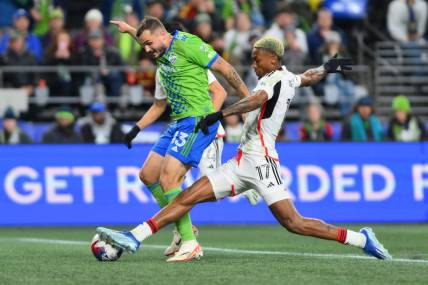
(199, 52)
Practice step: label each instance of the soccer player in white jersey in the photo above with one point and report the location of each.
(256, 165)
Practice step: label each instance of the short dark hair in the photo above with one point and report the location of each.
(149, 23)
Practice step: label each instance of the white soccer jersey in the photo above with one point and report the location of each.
(263, 125)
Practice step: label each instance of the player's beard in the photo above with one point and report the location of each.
(159, 52)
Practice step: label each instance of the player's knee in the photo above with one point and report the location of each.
(146, 177)
(167, 182)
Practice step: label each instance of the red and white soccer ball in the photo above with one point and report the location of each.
(104, 251)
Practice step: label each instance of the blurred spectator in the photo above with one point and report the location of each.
(233, 129)
(236, 39)
(407, 19)
(249, 76)
(363, 124)
(21, 22)
(336, 89)
(60, 53)
(93, 22)
(189, 11)
(129, 48)
(11, 134)
(320, 30)
(293, 54)
(7, 8)
(75, 11)
(17, 55)
(404, 126)
(63, 130)
(203, 27)
(155, 8)
(56, 24)
(146, 77)
(40, 16)
(284, 27)
(100, 127)
(315, 128)
(114, 9)
(96, 53)
(249, 7)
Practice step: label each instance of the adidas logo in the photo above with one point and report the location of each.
(270, 185)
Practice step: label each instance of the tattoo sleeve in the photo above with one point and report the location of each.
(312, 76)
(247, 104)
(232, 77)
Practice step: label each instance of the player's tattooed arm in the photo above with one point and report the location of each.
(312, 76)
(333, 65)
(232, 77)
(247, 104)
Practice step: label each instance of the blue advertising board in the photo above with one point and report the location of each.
(99, 185)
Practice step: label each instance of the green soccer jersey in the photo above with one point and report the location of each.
(183, 75)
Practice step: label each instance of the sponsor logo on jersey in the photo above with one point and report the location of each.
(172, 58)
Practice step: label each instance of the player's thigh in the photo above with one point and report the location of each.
(150, 171)
(172, 172)
(226, 180)
(211, 157)
(263, 175)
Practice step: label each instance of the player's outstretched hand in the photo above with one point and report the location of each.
(131, 135)
(121, 25)
(207, 121)
(337, 65)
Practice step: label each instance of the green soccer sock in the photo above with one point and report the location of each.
(158, 193)
(184, 224)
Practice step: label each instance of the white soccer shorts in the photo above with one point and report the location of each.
(246, 172)
(211, 158)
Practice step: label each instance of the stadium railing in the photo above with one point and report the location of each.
(361, 75)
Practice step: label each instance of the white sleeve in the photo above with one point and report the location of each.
(395, 23)
(295, 80)
(160, 93)
(263, 85)
(211, 77)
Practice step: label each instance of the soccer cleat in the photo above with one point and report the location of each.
(123, 240)
(189, 250)
(373, 247)
(176, 241)
(253, 196)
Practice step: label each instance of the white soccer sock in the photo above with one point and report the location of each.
(355, 239)
(142, 231)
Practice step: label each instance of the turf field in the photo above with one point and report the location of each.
(233, 255)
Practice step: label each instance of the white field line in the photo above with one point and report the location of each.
(225, 250)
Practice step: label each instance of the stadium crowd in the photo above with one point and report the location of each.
(64, 33)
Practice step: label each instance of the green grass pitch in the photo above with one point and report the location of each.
(258, 255)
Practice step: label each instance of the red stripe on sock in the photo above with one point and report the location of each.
(341, 235)
(153, 225)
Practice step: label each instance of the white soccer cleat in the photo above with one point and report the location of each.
(252, 196)
(189, 250)
(176, 241)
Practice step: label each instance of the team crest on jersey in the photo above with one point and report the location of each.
(172, 58)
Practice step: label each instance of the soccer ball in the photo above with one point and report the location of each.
(104, 251)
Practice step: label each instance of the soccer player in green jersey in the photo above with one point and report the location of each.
(182, 60)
